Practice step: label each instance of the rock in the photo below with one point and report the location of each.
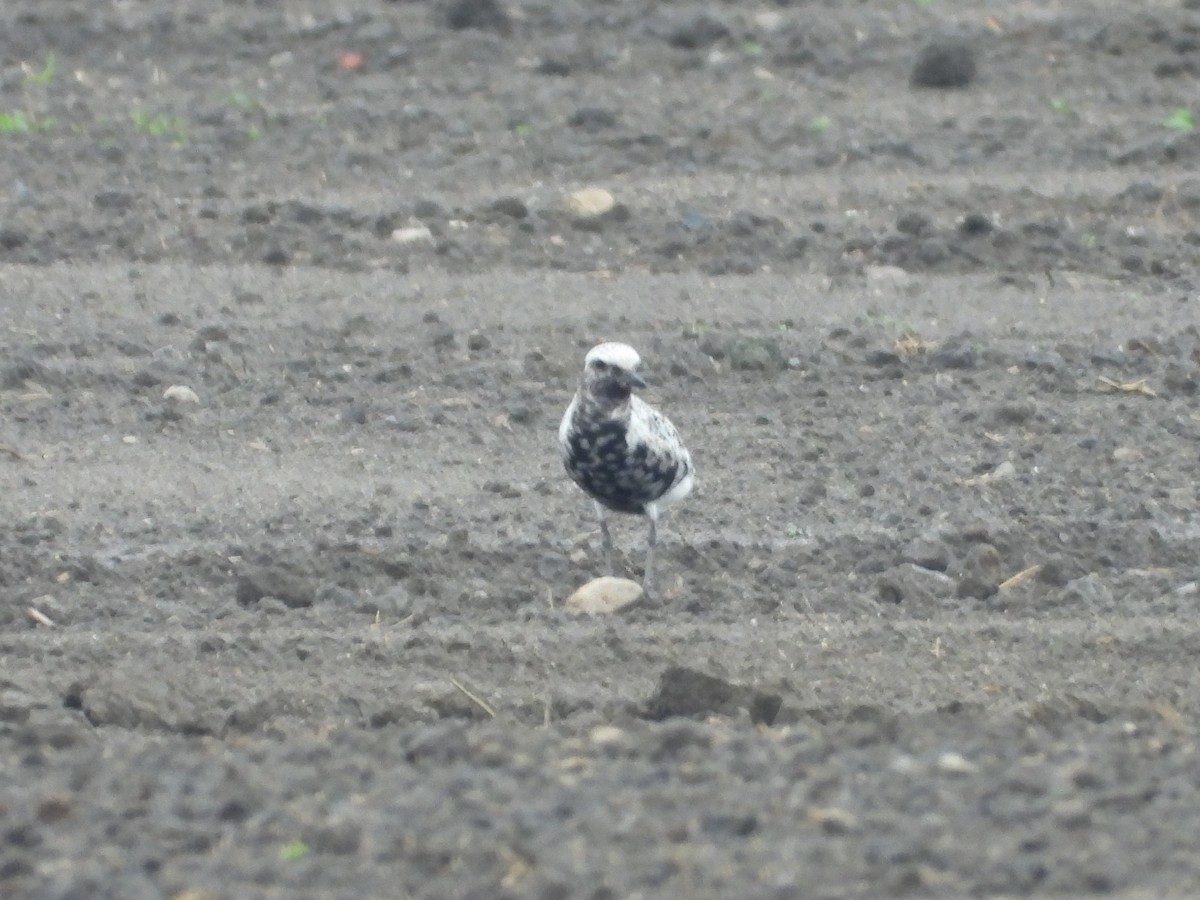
(1005, 470)
(956, 764)
(882, 358)
(1088, 592)
(592, 119)
(441, 336)
(979, 574)
(915, 586)
(604, 595)
(687, 692)
(833, 819)
(274, 581)
(413, 233)
(15, 704)
(944, 63)
(485, 15)
(354, 414)
(116, 200)
(928, 553)
(210, 334)
(112, 698)
(955, 354)
(181, 394)
(1181, 379)
(336, 595)
(276, 255)
(477, 341)
(975, 224)
(756, 354)
(608, 737)
(1044, 360)
(513, 207)
(12, 238)
(693, 32)
(396, 603)
(881, 278)
(589, 204)
(914, 223)
(505, 489)
(1013, 412)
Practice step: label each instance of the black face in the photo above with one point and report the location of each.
(609, 381)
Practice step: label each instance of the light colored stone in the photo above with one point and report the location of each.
(886, 277)
(956, 764)
(607, 736)
(590, 203)
(181, 393)
(1005, 470)
(604, 595)
(412, 233)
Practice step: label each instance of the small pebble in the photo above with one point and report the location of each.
(590, 203)
(946, 63)
(412, 234)
(181, 394)
(485, 15)
(956, 764)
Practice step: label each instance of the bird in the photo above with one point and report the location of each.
(623, 453)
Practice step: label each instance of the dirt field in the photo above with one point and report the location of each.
(286, 334)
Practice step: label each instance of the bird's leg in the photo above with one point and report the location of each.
(605, 537)
(651, 541)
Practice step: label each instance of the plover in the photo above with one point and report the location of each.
(626, 455)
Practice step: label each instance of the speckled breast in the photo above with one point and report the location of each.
(600, 461)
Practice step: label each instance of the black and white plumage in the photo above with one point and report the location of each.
(626, 455)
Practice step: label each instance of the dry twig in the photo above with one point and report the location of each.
(1127, 387)
(1023, 575)
(474, 698)
(38, 617)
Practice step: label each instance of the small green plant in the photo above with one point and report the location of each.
(252, 108)
(294, 850)
(173, 127)
(521, 129)
(753, 48)
(923, 4)
(820, 124)
(874, 319)
(1060, 105)
(18, 122)
(46, 74)
(240, 100)
(1181, 120)
(793, 531)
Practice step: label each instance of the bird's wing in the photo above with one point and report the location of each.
(650, 428)
(564, 427)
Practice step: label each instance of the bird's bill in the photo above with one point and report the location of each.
(634, 380)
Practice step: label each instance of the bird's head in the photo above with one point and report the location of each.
(610, 371)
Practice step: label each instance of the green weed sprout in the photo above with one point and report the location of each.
(1181, 120)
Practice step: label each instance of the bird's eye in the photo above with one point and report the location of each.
(601, 366)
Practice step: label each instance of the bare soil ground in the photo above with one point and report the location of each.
(304, 637)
